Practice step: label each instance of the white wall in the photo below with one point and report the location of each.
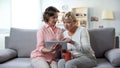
(95, 9)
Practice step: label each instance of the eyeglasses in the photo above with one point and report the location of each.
(68, 23)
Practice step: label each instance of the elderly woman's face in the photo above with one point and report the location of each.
(69, 23)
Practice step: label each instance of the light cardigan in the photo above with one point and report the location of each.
(82, 43)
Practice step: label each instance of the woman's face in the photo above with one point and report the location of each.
(69, 24)
(53, 19)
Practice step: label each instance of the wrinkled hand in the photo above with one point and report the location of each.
(56, 47)
(68, 40)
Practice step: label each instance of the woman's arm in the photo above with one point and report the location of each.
(68, 40)
(85, 41)
(41, 42)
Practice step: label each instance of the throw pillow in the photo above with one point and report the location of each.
(113, 56)
(7, 54)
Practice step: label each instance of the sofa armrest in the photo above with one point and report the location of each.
(7, 54)
(6, 41)
(113, 56)
(117, 42)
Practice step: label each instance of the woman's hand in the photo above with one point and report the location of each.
(55, 47)
(68, 40)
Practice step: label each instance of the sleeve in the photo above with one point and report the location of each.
(40, 40)
(85, 41)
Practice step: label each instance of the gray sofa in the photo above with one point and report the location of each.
(21, 42)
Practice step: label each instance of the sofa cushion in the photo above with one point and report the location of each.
(17, 63)
(113, 56)
(23, 41)
(102, 40)
(103, 63)
(7, 54)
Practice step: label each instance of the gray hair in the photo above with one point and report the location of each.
(69, 15)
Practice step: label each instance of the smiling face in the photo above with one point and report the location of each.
(50, 16)
(53, 19)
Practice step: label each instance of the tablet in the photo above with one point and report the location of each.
(48, 44)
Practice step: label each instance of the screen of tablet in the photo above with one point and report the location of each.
(48, 44)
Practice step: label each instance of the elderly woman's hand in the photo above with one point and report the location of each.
(68, 40)
(55, 47)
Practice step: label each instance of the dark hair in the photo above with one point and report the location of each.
(50, 11)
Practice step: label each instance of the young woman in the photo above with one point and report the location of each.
(43, 57)
(78, 44)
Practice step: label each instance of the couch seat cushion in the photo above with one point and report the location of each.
(17, 63)
(103, 63)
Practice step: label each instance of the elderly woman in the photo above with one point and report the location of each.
(78, 44)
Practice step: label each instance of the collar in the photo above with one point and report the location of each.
(47, 26)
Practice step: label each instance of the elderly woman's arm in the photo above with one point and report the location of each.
(85, 41)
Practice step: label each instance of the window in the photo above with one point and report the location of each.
(26, 14)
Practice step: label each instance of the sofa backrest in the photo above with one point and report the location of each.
(23, 41)
(102, 40)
